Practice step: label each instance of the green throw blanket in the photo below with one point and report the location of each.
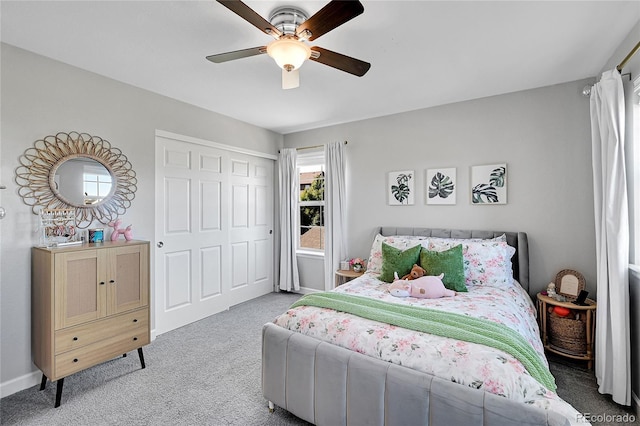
(432, 321)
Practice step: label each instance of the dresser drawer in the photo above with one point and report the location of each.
(79, 336)
(87, 356)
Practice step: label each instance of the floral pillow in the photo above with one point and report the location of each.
(502, 237)
(374, 264)
(486, 262)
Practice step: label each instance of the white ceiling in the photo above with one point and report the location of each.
(423, 53)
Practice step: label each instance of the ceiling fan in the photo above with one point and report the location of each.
(292, 28)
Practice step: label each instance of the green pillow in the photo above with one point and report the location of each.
(449, 263)
(397, 260)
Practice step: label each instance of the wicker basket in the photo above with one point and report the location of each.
(568, 334)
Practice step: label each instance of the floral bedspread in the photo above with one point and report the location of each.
(469, 364)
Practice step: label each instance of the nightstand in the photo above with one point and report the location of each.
(344, 275)
(585, 324)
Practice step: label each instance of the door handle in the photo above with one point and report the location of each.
(3, 212)
(160, 244)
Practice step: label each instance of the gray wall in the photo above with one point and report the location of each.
(544, 137)
(41, 97)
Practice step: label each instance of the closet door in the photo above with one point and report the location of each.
(206, 230)
(251, 227)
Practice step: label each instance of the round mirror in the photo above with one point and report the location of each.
(82, 181)
(77, 171)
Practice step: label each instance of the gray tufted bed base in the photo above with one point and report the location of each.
(329, 385)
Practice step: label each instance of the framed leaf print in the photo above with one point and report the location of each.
(441, 186)
(401, 186)
(489, 184)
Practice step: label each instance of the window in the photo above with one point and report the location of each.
(311, 235)
(96, 184)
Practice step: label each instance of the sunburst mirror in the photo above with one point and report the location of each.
(77, 171)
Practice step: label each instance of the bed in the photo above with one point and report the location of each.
(373, 373)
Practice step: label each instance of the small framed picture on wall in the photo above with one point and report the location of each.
(401, 188)
(489, 184)
(441, 186)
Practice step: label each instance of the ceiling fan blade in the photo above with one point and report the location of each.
(237, 54)
(342, 62)
(249, 15)
(290, 79)
(334, 14)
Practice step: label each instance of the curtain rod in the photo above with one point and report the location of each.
(311, 147)
(626, 58)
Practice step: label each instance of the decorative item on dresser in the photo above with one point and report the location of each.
(90, 303)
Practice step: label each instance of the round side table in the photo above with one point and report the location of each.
(344, 275)
(589, 310)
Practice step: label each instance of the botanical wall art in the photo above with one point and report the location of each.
(489, 184)
(441, 186)
(400, 186)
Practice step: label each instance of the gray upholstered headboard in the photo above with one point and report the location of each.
(517, 240)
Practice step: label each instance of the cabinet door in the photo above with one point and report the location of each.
(80, 290)
(127, 278)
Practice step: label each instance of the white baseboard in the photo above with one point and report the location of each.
(20, 383)
(307, 290)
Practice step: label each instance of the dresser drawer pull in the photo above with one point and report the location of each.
(75, 360)
(101, 282)
(135, 338)
(75, 338)
(112, 281)
(135, 320)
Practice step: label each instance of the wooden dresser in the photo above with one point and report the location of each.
(89, 304)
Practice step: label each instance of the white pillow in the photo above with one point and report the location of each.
(486, 262)
(403, 242)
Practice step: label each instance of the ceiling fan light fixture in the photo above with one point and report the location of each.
(288, 53)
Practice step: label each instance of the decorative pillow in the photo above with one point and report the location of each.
(485, 262)
(502, 237)
(397, 260)
(374, 264)
(448, 262)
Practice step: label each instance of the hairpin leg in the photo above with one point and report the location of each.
(59, 392)
(141, 357)
(43, 382)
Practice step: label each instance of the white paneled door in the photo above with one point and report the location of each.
(214, 222)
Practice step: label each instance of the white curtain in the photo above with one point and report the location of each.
(612, 363)
(289, 193)
(335, 248)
